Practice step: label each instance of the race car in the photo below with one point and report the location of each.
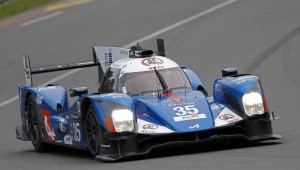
(145, 100)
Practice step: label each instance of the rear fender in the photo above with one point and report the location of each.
(50, 98)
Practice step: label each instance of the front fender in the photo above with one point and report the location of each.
(104, 104)
(230, 90)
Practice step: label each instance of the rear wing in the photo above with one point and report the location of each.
(46, 69)
(103, 57)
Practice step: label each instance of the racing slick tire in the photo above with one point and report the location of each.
(92, 131)
(33, 127)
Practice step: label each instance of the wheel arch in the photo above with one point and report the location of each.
(85, 103)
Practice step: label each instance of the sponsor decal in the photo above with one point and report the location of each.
(68, 140)
(181, 104)
(157, 67)
(195, 126)
(105, 146)
(152, 61)
(228, 117)
(150, 126)
(218, 87)
(108, 58)
(217, 106)
(189, 117)
(46, 119)
(39, 100)
(244, 79)
(62, 128)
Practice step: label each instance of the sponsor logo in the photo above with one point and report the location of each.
(195, 126)
(181, 104)
(108, 58)
(150, 126)
(218, 87)
(68, 140)
(62, 128)
(156, 67)
(152, 61)
(39, 100)
(228, 117)
(189, 117)
(105, 146)
(217, 106)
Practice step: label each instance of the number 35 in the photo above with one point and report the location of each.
(186, 110)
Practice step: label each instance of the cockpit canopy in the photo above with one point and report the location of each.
(145, 82)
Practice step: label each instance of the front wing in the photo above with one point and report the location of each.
(141, 144)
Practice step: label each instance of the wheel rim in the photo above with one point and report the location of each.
(92, 133)
(32, 123)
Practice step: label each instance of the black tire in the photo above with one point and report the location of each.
(34, 129)
(92, 131)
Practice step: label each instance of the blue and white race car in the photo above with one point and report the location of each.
(144, 100)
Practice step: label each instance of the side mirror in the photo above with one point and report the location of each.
(229, 72)
(78, 91)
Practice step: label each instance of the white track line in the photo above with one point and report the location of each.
(173, 26)
(41, 18)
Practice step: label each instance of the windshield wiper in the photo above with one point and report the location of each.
(162, 82)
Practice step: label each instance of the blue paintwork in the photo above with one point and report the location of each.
(236, 86)
(194, 79)
(159, 110)
(152, 109)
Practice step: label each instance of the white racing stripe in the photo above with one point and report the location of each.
(41, 18)
(173, 26)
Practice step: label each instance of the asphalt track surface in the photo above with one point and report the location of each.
(260, 37)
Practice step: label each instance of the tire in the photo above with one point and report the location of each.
(34, 129)
(92, 131)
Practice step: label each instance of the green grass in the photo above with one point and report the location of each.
(13, 7)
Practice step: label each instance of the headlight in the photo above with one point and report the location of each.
(253, 103)
(123, 120)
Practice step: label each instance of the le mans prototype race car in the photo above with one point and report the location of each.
(144, 100)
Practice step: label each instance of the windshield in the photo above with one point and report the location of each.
(143, 83)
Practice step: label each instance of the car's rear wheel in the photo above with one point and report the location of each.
(33, 126)
(92, 131)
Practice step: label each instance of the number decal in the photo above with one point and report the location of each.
(77, 135)
(181, 111)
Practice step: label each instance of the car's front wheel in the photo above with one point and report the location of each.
(92, 131)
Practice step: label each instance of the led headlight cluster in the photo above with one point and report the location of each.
(253, 103)
(123, 120)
